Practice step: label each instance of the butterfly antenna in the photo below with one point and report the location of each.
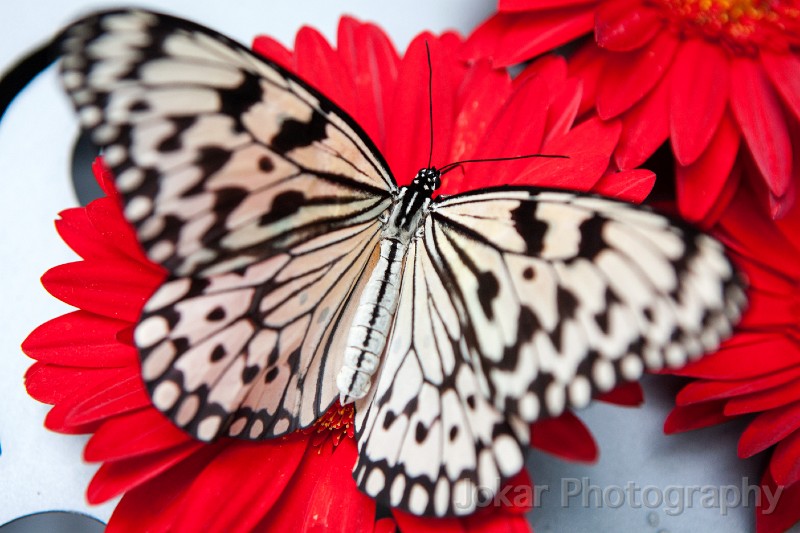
(450, 166)
(430, 99)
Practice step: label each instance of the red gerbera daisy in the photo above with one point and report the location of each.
(706, 74)
(88, 368)
(757, 372)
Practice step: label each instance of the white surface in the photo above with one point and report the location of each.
(40, 470)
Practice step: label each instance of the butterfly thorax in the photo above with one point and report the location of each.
(411, 205)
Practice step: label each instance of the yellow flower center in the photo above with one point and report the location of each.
(742, 25)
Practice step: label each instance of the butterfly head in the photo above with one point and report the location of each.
(427, 180)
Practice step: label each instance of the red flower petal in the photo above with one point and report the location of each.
(119, 235)
(482, 94)
(699, 95)
(505, 6)
(566, 437)
(117, 398)
(80, 339)
(761, 120)
(511, 39)
(79, 233)
(322, 495)
(699, 186)
(132, 435)
(756, 236)
(630, 186)
(769, 428)
(274, 51)
(240, 486)
(780, 509)
(154, 504)
(317, 63)
(117, 477)
(54, 384)
(526, 121)
(409, 114)
(60, 416)
(627, 25)
(764, 400)
(785, 462)
(736, 360)
(645, 127)
(702, 391)
(682, 419)
(564, 107)
(782, 70)
(109, 288)
(588, 146)
(385, 525)
(629, 76)
(588, 64)
(417, 524)
(373, 63)
(627, 394)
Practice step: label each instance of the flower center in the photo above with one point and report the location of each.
(333, 426)
(742, 25)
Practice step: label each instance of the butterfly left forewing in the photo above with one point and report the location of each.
(221, 157)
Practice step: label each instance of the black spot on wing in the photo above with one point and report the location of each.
(236, 101)
(591, 237)
(249, 374)
(567, 303)
(216, 314)
(297, 134)
(531, 229)
(217, 353)
(488, 289)
(265, 164)
(283, 205)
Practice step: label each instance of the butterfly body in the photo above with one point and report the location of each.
(300, 272)
(373, 320)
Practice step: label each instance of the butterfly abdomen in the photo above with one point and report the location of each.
(372, 322)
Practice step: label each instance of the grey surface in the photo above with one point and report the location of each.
(634, 450)
(54, 522)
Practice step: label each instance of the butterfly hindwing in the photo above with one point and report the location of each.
(567, 295)
(250, 353)
(258, 195)
(429, 438)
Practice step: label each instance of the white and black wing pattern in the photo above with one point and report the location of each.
(259, 196)
(429, 438)
(565, 295)
(516, 303)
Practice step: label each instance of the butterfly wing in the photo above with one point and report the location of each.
(566, 295)
(258, 195)
(515, 304)
(429, 438)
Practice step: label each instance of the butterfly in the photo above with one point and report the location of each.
(301, 273)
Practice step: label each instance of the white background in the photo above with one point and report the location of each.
(40, 470)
